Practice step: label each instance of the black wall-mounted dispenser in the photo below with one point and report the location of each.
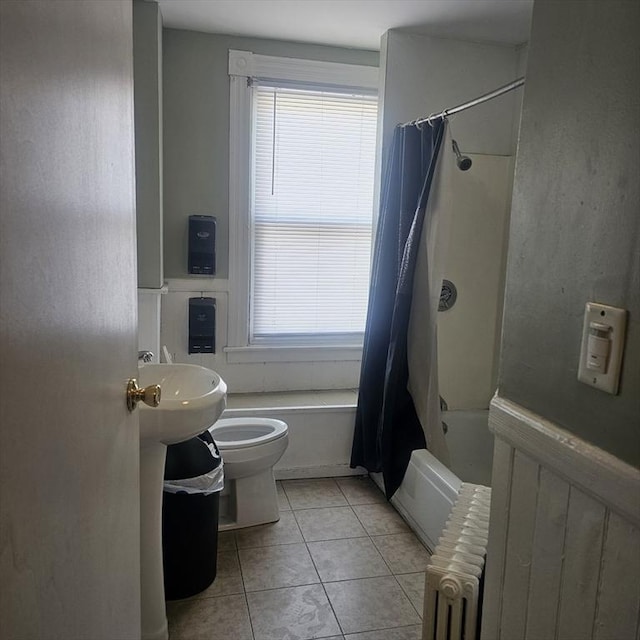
(202, 245)
(202, 325)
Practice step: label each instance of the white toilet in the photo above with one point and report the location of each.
(249, 448)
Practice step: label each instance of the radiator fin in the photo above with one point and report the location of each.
(454, 578)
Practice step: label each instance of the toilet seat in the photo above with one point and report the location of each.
(241, 433)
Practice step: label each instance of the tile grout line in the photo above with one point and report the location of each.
(407, 595)
(394, 574)
(274, 544)
(286, 497)
(246, 601)
(332, 479)
(336, 506)
(290, 586)
(388, 565)
(326, 595)
(310, 584)
(244, 589)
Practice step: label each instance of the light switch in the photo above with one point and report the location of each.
(602, 345)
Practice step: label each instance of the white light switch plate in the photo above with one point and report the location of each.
(616, 319)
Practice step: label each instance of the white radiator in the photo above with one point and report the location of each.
(453, 587)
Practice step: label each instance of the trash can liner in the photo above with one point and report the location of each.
(205, 484)
(188, 458)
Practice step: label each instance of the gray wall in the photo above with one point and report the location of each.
(422, 75)
(575, 227)
(147, 69)
(196, 130)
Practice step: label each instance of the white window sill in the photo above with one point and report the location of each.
(280, 353)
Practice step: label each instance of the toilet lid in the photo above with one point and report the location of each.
(238, 433)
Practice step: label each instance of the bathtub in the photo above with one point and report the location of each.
(320, 430)
(429, 488)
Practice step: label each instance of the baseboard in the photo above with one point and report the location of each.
(413, 524)
(326, 471)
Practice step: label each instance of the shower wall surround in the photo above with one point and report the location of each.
(469, 333)
(420, 75)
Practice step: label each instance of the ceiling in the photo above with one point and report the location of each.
(353, 23)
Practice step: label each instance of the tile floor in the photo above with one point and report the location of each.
(340, 564)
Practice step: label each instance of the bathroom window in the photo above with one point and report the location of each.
(313, 160)
(303, 137)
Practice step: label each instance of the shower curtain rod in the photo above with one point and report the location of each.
(467, 105)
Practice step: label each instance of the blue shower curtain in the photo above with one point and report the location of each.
(387, 427)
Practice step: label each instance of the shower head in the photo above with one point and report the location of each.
(463, 162)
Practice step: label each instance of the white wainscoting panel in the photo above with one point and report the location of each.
(563, 558)
(581, 568)
(519, 543)
(619, 585)
(503, 456)
(547, 549)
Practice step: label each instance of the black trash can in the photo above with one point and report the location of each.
(191, 499)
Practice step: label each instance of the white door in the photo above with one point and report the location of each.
(69, 499)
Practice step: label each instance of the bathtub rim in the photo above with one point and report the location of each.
(435, 480)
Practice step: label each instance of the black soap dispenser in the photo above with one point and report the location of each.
(202, 325)
(202, 245)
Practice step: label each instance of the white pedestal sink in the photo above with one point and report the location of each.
(193, 398)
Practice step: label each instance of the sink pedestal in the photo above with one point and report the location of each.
(153, 611)
(193, 398)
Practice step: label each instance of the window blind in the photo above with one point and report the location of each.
(312, 211)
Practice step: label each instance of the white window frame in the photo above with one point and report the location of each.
(244, 65)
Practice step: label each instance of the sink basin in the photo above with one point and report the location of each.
(192, 400)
